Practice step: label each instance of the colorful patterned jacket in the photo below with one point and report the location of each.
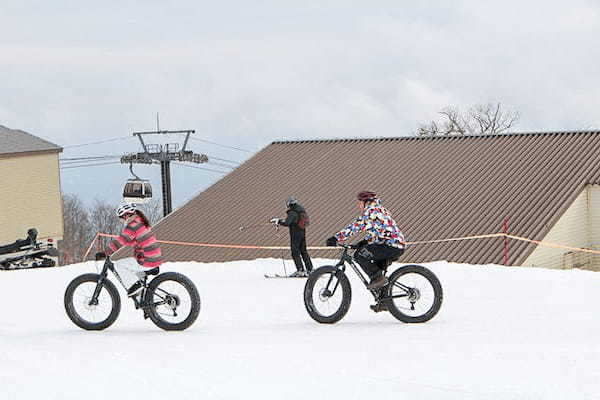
(139, 236)
(378, 224)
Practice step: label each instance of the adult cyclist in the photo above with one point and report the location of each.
(383, 239)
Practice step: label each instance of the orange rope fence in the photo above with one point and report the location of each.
(257, 247)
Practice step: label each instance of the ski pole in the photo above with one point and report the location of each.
(244, 227)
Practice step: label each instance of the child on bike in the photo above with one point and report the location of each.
(137, 233)
(383, 240)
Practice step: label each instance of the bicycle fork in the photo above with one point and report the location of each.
(100, 284)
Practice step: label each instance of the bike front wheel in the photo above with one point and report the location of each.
(87, 313)
(172, 301)
(414, 294)
(327, 295)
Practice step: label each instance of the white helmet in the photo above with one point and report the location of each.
(127, 208)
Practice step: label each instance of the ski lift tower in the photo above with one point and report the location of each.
(163, 154)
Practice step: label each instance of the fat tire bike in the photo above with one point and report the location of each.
(170, 300)
(412, 295)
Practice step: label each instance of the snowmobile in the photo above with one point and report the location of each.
(28, 253)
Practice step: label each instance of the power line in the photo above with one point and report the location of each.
(87, 158)
(89, 165)
(222, 145)
(237, 163)
(220, 164)
(202, 168)
(98, 142)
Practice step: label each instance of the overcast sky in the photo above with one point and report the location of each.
(244, 73)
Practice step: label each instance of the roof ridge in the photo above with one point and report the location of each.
(398, 138)
(19, 141)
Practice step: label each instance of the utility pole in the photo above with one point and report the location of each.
(163, 155)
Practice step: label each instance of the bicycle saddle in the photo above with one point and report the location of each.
(153, 271)
(389, 261)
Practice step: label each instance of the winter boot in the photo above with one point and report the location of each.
(299, 274)
(377, 282)
(379, 307)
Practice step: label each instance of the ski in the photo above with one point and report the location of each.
(277, 276)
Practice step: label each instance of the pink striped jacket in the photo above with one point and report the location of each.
(139, 236)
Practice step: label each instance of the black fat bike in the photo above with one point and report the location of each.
(170, 300)
(413, 294)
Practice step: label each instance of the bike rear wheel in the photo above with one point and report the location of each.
(78, 303)
(327, 295)
(414, 294)
(172, 301)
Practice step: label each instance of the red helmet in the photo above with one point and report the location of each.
(366, 195)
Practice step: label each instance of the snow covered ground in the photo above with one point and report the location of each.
(502, 333)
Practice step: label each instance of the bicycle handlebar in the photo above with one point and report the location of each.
(347, 246)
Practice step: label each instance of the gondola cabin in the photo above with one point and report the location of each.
(137, 191)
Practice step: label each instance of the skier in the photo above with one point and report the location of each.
(137, 234)
(383, 240)
(297, 220)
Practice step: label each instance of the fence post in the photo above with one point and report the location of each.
(90, 248)
(505, 230)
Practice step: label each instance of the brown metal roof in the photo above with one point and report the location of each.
(435, 187)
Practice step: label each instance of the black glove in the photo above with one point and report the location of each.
(331, 242)
(100, 255)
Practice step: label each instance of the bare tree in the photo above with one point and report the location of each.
(492, 119)
(483, 119)
(77, 230)
(104, 220)
(153, 210)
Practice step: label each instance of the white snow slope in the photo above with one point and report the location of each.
(502, 333)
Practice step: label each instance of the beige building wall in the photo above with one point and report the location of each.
(578, 227)
(30, 196)
(594, 225)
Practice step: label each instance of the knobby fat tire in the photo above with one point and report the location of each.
(346, 295)
(70, 307)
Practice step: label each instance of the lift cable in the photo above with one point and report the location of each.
(222, 145)
(71, 159)
(98, 142)
(202, 168)
(89, 165)
(224, 160)
(220, 164)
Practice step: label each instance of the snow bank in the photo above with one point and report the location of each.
(502, 333)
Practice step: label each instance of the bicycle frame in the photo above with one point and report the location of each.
(377, 293)
(138, 300)
(108, 266)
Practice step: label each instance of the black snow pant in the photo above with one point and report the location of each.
(299, 252)
(373, 257)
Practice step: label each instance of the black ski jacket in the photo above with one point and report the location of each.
(295, 214)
